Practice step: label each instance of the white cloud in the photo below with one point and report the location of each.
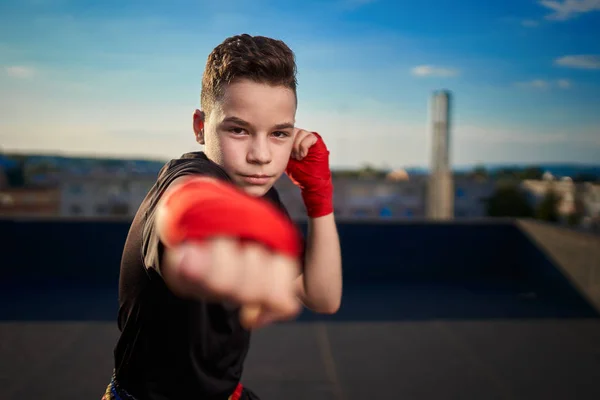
(579, 61)
(430, 70)
(545, 84)
(530, 23)
(567, 9)
(18, 71)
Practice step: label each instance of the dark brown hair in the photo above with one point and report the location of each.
(256, 58)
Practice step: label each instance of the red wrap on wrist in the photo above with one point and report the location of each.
(313, 176)
(200, 208)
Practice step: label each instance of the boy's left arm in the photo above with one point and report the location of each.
(320, 285)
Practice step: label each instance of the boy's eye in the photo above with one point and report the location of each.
(280, 134)
(237, 131)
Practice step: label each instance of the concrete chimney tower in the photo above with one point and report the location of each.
(440, 190)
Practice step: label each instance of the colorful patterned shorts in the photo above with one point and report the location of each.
(114, 392)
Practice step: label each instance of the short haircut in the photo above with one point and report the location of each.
(256, 58)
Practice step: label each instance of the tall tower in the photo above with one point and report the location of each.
(440, 193)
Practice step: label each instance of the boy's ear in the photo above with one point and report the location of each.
(198, 123)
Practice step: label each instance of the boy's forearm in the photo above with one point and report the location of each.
(321, 282)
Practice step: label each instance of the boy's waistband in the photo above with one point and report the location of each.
(115, 392)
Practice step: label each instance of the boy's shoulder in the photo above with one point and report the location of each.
(193, 163)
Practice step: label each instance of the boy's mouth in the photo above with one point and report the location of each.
(256, 179)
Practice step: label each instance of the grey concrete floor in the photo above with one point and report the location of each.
(411, 342)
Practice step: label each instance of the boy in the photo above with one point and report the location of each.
(211, 253)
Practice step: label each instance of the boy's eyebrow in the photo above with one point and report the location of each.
(285, 125)
(236, 120)
(239, 121)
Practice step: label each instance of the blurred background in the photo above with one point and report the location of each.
(465, 149)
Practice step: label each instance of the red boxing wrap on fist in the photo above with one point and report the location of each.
(313, 176)
(201, 208)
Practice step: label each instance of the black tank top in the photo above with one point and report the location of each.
(173, 348)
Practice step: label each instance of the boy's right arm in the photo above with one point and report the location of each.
(223, 245)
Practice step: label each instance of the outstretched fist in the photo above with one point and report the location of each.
(222, 269)
(225, 245)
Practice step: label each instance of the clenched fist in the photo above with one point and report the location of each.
(261, 281)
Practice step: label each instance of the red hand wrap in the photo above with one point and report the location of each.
(201, 208)
(313, 176)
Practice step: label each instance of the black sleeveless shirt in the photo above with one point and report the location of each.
(174, 348)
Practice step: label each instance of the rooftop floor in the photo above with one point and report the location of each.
(412, 342)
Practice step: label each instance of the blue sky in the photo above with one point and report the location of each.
(83, 77)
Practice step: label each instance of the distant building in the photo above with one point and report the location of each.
(470, 197)
(580, 198)
(564, 189)
(100, 195)
(440, 187)
(379, 198)
(358, 198)
(591, 205)
(398, 175)
(387, 199)
(38, 202)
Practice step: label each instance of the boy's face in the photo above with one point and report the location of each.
(250, 133)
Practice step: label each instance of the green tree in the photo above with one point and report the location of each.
(585, 177)
(531, 173)
(575, 218)
(547, 210)
(507, 175)
(344, 173)
(508, 201)
(479, 172)
(369, 171)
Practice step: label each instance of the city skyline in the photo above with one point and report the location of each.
(123, 80)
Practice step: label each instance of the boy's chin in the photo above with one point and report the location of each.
(255, 190)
